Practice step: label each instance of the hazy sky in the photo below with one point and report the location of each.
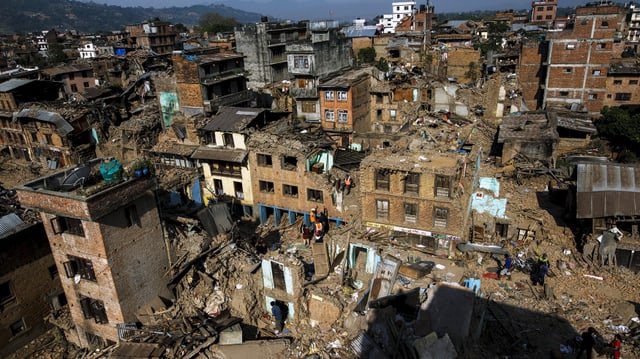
(338, 9)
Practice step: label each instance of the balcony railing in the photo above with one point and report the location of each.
(221, 76)
(303, 92)
(231, 99)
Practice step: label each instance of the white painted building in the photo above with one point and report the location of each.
(399, 11)
(88, 51)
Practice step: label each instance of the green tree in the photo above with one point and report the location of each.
(55, 54)
(619, 127)
(367, 55)
(214, 23)
(382, 64)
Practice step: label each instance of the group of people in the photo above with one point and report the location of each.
(540, 270)
(318, 228)
(588, 341)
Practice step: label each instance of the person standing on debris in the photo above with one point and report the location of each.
(312, 215)
(538, 276)
(543, 260)
(347, 183)
(319, 231)
(588, 341)
(508, 263)
(276, 311)
(615, 344)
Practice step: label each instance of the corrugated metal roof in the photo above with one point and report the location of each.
(13, 84)
(62, 125)
(9, 224)
(233, 119)
(607, 189)
(360, 32)
(219, 154)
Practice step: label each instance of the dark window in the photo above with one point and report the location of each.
(567, 70)
(604, 24)
(314, 195)
(382, 209)
(440, 217)
(209, 138)
(264, 160)
(540, 8)
(67, 225)
(53, 271)
(633, 82)
(277, 273)
(548, 17)
(237, 188)
(623, 96)
(549, 8)
(93, 308)
(6, 294)
(379, 115)
(85, 84)
(34, 137)
(382, 179)
(442, 186)
(48, 138)
(228, 140)
(308, 107)
(592, 96)
(539, 17)
(266, 186)
(412, 183)
(601, 46)
(131, 215)
(617, 82)
(289, 163)
(289, 191)
(564, 93)
(74, 88)
(18, 327)
(79, 266)
(378, 98)
(410, 212)
(72, 76)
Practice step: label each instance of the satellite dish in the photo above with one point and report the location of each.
(76, 178)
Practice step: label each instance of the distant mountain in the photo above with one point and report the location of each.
(20, 16)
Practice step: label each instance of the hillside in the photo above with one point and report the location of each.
(20, 16)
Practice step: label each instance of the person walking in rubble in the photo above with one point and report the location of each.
(506, 270)
(588, 341)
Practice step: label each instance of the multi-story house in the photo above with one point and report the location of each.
(107, 243)
(46, 38)
(415, 197)
(633, 32)
(344, 105)
(88, 50)
(52, 137)
(622, 84)
(289, 174)
(16, 92)
(29, 283)
(400, 10)
(157, 36)
(206, 79)
(76, 78)
(264, 48)
(578, 59)
(310, 61)
(544, 11)
(223, 155)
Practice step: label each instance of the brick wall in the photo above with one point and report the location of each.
(25, 261)
(531, 73)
